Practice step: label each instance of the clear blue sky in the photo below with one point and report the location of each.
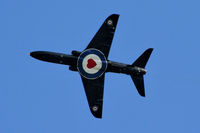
(39, 97)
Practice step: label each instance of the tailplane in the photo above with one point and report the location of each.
(142, 60)
(138, 79)
(139, 84)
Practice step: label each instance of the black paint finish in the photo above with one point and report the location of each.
(94, 92)
(102, 41)
(103, 38)
(55, 57)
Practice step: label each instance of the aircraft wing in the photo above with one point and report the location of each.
(103, 38)
(94, 92)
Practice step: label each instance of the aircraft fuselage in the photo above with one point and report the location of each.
(71, 60)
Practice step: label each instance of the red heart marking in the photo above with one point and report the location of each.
(91, 63)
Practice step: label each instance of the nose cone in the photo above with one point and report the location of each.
(34, 54)
(40, 55)
(44, 56)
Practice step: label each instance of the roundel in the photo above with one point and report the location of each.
(91, 63)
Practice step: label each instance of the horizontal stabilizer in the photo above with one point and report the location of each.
(138, 79)
(139, 83)
(142, 60)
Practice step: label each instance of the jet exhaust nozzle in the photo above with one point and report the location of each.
(141, 70)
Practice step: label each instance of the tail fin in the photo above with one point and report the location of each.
(139, 79)
(142, 60)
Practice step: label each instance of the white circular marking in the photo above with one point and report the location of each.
(94, 69)
(94, 108)
(110, 22)
(90, 64)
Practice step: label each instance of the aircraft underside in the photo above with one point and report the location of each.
(92, 64)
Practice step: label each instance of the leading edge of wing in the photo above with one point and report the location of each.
(104, 36)
(94, 91)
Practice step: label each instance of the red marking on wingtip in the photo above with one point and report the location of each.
(91, 63)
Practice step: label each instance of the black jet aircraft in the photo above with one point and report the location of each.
(92, 64)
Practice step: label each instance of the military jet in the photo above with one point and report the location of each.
(92, 64)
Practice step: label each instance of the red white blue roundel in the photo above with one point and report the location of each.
(91, 63)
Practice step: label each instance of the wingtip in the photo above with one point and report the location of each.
(112, 20)
(97, 115)
(143, 95)
(150, 49)
(114, 14)
(141, 92)
(96, 111)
